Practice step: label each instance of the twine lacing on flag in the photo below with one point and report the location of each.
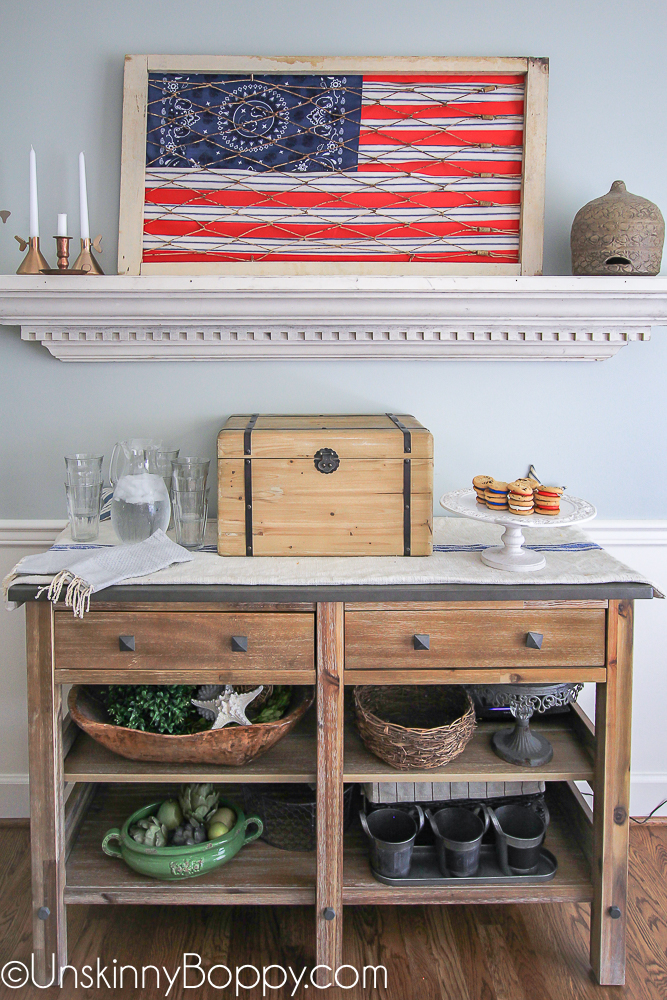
(436, 142)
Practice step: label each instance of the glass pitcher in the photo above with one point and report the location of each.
(140, 504)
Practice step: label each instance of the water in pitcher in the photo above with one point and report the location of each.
(140, 507)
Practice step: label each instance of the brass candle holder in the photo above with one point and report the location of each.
(34, 261)
(86, 261)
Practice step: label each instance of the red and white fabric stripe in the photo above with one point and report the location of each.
(438, 178)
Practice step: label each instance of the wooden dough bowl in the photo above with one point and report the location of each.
(231, 746)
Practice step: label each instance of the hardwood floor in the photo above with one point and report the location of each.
(536, 952)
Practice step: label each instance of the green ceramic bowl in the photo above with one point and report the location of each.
(173, 863)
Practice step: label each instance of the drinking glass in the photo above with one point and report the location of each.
(83, 469)
(83, 510)
(190, 509)
(164, 461)
(163, 464)
(190, 474)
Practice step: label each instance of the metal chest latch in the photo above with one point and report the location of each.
(326, 460)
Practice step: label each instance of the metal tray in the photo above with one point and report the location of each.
(424, 870)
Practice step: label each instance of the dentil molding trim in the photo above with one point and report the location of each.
(121, 318)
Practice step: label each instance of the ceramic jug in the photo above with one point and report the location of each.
(140, 504)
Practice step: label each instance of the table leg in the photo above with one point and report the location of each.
(330, 690)
(613, 718)
(46, 795)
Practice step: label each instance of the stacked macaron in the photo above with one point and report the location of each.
(479, 484)
(520, 496)
(495, 495)
(547, 499)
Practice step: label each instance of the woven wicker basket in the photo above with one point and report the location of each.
(414, 726)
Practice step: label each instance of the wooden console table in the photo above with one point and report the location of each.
(330, 636)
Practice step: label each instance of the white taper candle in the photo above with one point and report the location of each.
(83, 199)
(34, 211)
(62, 225)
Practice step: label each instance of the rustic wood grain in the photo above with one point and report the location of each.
(357, 509)
(192, 675)
(481, 675)
(352, 436)
(430, 945)
(15, 896)
(327, 526)
(45, 724)
(187, 641)
(611, 787)
(578, 815)
(584, 728)
(133, 169)
(76, 809)
(330, 692)
(531, 226)
(203, 607)
(383, 640)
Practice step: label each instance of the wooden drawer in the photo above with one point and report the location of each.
(384, 640)
(191, 645)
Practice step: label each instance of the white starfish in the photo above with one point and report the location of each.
(229, 706)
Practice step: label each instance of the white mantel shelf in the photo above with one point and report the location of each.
(119, 318)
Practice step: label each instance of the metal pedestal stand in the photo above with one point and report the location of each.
(521, 745)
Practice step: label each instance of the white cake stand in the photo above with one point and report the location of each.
(511, 555)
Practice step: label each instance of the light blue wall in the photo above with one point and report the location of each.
(599, 429)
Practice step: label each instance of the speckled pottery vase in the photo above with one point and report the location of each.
(619, 233)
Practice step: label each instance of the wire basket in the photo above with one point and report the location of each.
(414, 726)
(288, 813)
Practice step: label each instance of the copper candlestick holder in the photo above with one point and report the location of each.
(62, 249)
(34, 261)
(86, 261)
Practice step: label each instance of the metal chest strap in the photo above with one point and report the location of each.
(407, 484)
(247, 481)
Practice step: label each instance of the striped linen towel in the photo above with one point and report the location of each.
(83, 571)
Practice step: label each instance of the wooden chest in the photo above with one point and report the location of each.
(325, 486)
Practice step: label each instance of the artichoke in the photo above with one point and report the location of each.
(188, 834)
(149, 832)
(198, 802)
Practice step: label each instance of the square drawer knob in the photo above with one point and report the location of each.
(421, 641)
(239, 644)
(534, 640)
(126, 643)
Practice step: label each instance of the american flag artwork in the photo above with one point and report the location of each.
(333, 167)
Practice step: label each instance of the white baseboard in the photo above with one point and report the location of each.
(647, 789)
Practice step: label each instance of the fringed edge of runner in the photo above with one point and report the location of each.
(6, 584)
(77, 595)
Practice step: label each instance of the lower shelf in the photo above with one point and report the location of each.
(572, 882)
(258, 875)
(263, 875)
